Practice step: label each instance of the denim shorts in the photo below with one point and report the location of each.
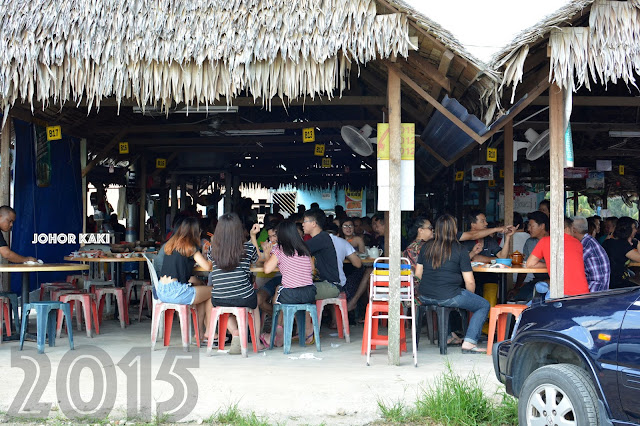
(297, 295)
(176, 292)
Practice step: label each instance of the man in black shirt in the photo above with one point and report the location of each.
(7, 217)
(321, 247)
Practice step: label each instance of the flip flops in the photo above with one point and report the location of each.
(474, 350)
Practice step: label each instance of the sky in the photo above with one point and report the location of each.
(484, 27)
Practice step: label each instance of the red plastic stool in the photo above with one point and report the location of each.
(375, 308)
(118, 292)
(88, 302)
(48, 287)
(342, 315)
(185, 325)
(4, 314)
(220, 317)
(498, 314)
(146, 293)
(56, 293)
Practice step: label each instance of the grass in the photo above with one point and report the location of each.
(233, 416)
(454, 400)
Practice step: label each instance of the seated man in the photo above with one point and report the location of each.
(7, 218)
(596, 262)
(479, 242)
(573, 263)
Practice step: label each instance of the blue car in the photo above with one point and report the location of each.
(575, 360)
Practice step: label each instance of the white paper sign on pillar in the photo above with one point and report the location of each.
(407, 167)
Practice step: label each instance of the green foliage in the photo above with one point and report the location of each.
(233, 416)
(454, 400)
(615, 205)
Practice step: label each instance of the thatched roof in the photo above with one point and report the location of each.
(165, 51)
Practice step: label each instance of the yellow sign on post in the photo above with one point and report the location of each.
(308, 134)
(459, 176)
(319, 151)
(123, 147)
(492, 155)
(161, 163)
(54, 133)
(621, 170)
(326, 163)
(492, 183)
(408, 141)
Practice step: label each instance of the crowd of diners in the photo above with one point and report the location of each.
(304, 260)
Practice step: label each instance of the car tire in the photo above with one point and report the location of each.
(572, 391)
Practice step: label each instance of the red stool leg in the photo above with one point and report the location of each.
(223, 319)
(86, 309)
(252, 331)
(94, 309)
(196, 326)
(168, 322)
(121, 308)
(7, 319)
(241, 317)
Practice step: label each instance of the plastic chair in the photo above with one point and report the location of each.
(443, 313)
(378, 307)
(88, 302)
(166, 310)
(219, 318)
(498, 314)
(4, 317)
(289, 311)
(13, 300)
(118, 292)
(342, 315)
(146, 293)
(46, 316)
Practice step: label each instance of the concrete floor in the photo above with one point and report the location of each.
(334, 386)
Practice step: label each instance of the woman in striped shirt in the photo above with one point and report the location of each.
(293, 259)
(230, 276)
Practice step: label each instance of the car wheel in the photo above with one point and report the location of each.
(559, 394)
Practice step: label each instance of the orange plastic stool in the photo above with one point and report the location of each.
(145, 294)
(342, 315)
(183, 311)
(4, 314)
(375, 308)
(88, 306)
(220, 317)
(498, 314)
(118, 292)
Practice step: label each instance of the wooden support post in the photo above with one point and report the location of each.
(143, 197)
(227, 192)
(174, 198)
(575, 202)
(556, 152)
(183, 194)
(236, 192)
(395, 132)
(508, 177)
(5, 183)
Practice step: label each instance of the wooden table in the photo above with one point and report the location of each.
(515, 269)
(45, 267)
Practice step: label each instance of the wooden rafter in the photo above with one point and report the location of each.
(117, 138)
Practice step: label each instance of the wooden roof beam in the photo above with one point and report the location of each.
(247, 101)
(105, 151)
(426, 68)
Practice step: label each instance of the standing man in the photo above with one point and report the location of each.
(7, 217)
(596, 262)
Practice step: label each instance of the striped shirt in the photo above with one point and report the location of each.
(236, 284)
(296, 270)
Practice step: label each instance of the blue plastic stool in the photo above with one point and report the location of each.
(47, 317)
(13, 298)
(299, 311)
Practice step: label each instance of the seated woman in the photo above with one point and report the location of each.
(231, 257)
(177, 285)
(442, 266)
(347, 231)
(620, 249)
(293, 259)
(420, 232)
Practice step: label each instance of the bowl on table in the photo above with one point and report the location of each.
(506, 262)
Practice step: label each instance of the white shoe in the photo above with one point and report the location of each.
(235, 348)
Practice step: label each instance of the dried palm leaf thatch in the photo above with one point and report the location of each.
(570, 57)
(191, 51)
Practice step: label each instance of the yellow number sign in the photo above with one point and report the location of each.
(161, 163)
(408, 141)
(123, 147)
(492, 155)
(54, 133)
(621, 170)
(308, 135)
(319, 151)
(502, 173)
(492, 183)
(459, 176)
(326, 163)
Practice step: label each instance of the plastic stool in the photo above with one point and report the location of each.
(57, 292)
(380, 307)
(219, 318)
(130, 284)
(443, 313)
(48, 287)
(289, 312)
(88, 306)
(4, 317)
(118, 292)
(13, 299)
(498, 314)
(185, 325)
(46, 316)
(342, 315)
(145, 294)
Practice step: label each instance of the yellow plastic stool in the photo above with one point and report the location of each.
(490, 292)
